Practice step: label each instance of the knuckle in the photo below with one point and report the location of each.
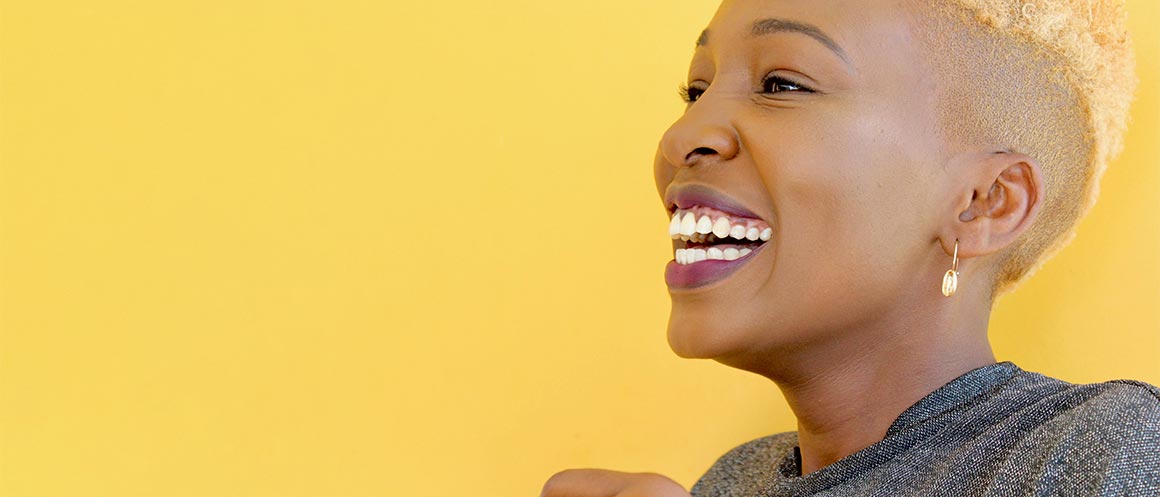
(555, 484)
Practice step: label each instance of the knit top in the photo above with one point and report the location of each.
(996, 431)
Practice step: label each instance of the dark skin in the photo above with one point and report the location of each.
(866, 200)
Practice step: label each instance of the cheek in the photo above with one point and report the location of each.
(845, 201)
(826, 185)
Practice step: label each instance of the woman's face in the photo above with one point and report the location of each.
(817, 117)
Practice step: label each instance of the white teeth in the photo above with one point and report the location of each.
(721, 227)
(689, 256)
(685, 257)
(704, 225)
(688, 224)
(688, 227)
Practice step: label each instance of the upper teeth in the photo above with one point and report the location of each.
(721, 228)
(686, 225)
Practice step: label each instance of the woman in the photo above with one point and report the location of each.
(850, 188)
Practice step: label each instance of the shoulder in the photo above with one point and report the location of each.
(1122, 415)
(1114, 406)
(1130, 411)
(1102, 435)
(1149, 393)
(1108, 410)
(1096, 405)
(745, 466)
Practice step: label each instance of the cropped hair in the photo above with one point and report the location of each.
(1049, 78)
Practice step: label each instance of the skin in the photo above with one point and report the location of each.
(866, 199)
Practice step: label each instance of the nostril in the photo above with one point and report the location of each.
(700, 151)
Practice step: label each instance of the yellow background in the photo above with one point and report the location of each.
(364, 248)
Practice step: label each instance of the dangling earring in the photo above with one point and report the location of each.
(951, 278)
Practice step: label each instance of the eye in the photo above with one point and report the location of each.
(689, 94)
(771, 83)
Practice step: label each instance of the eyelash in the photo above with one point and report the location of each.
(690, 94)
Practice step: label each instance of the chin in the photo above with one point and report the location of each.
(691, 339)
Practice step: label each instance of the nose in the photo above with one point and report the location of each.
(703, 132)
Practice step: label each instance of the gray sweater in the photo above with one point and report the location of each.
(995, 431)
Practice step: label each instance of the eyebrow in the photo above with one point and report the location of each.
(776, 25)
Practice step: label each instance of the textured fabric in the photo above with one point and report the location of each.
(996, 431)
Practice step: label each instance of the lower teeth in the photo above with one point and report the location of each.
(722, 252)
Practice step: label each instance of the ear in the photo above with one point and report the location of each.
(1004, 194)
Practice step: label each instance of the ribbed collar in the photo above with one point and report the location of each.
(957, 394)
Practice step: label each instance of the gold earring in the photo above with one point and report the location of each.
(951, 278)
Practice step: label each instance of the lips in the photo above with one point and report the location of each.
(713, 236)
(689, 195)
(687, 276)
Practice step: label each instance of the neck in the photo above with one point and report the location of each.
(847, 392)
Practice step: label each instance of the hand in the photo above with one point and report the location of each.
(608, 483)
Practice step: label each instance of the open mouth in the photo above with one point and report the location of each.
(703, 233)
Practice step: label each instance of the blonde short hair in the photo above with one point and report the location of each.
(1049, 78)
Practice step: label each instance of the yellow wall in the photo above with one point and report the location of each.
(346, 249)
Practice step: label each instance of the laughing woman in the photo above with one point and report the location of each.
(851, 186)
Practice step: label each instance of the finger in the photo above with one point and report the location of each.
(649, 484)
(586, 483)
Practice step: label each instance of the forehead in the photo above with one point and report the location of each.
(869, 33)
